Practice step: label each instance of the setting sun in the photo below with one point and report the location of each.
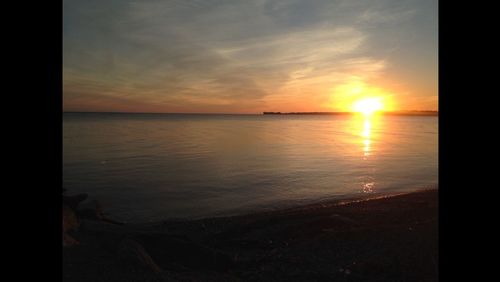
(368, 106)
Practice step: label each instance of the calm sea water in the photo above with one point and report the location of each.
(148, 167)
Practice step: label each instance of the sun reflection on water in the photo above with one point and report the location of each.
(366, 128)
(365, 132)
(368, 187)
(366, 135)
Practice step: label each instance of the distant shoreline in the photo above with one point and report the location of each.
(395, 113)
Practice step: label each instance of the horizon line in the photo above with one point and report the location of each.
(259, 113)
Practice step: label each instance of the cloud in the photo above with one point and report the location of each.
(377, 17)
(215, 55)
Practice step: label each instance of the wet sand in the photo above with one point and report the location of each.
(387, 239)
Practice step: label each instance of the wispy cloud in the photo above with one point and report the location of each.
(220, 56)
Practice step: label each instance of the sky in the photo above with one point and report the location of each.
(248, 56)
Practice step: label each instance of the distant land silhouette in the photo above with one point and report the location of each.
(396, 113)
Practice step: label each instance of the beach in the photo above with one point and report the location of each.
(390, 238)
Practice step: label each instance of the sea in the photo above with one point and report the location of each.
(154, 167)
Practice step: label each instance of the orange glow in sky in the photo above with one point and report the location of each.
(359, 96)
(241, 58)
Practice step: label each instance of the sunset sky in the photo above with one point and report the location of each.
(248, 56)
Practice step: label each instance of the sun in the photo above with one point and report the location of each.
(368, 106)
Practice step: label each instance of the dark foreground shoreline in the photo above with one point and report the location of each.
(387, 239)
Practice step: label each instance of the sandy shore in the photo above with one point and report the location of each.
(387, 239)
